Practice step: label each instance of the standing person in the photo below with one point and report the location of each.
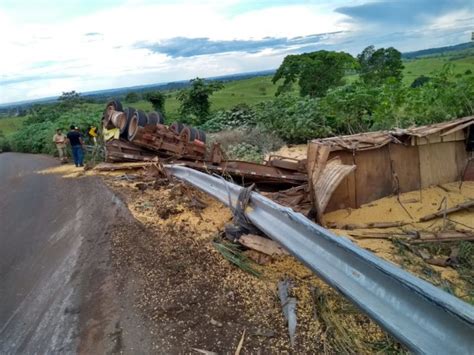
(60, 140)
(75, 139)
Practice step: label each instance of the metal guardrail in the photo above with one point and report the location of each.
(419, 315)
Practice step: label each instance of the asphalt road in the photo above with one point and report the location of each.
(47, 225)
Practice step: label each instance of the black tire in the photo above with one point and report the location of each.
(177, 127)
(129, 113)
(153, 118)
(116, 104)
(201, 136)
(161, 118)
(189, 134)
(142, 118)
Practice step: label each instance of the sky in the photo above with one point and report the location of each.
(51, 46)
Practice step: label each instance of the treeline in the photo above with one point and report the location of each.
(326, 105)
(319, 94)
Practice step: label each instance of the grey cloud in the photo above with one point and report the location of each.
(22, 79)
(402, 12)
(90, 34)
(189, 47)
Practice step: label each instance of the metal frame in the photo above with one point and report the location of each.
(421, 316)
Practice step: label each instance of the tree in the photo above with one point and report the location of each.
(157, 99)
(420, 81)
(376, 66)
(195, 100)
(132, 97)
(70, 98)
(315, 72)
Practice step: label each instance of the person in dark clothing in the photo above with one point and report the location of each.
(74, 138)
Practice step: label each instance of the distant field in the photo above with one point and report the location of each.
(249, 91)
(11, 124)
(426, 66)
(255, 90)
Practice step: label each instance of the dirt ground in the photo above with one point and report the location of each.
(198, 300)
(193, 299)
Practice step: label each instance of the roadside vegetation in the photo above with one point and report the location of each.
(311, 95)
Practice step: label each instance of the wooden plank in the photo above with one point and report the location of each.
(458, 128)
(261, 244)
(429, 139)
(460, 207)
(373, 175)
(438, 163)
(406, 164)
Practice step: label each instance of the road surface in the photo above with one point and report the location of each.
(56, 292)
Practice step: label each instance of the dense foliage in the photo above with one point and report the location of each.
(157, 100)
(315, 72)
(378, 65)
(240, 116)
(195, 100)
(37, 134)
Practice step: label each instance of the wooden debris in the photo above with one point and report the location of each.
(257, 257)
(353, 226)
(205, 352)
(263, 332)
(460, 207)
(262, 245)
(120, 166)
(450, 236)
(241, 344)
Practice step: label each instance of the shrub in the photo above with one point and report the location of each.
(264, 141)
(37, 136)
(293, 119)
(420, 81)
(239, 116)
(245, 151)
(132, 97)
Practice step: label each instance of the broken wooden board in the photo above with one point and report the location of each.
(460, 207)
(121, 166)
(261, 244)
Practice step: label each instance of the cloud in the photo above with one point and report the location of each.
(402, 13)
(88, 45)
(24, 79)
(189, 47)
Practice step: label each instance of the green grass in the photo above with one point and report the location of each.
(427, 66)
(10, 125)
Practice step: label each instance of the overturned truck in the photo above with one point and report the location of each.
(339, 172)
(133, 135)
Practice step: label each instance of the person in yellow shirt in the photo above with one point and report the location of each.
(60, 140)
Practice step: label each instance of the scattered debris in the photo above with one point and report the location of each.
(288, 305)
(262, 245)
(205, 352)
(241, 343)
(232, 253)
(460, 207)
(120, 166)
(373, 225)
